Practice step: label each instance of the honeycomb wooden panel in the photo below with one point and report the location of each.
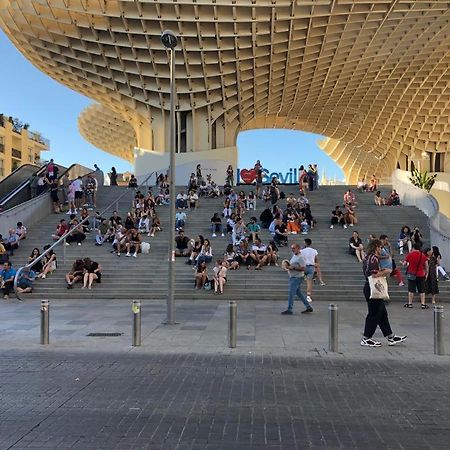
(373, 76)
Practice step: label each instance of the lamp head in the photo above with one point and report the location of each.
(168, 39)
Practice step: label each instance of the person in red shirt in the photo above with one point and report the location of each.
(416, 273)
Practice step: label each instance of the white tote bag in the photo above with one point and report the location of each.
(378, 288)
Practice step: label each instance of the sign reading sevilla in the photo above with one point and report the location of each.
(248, 176)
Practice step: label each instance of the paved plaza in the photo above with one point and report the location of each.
(185, 389)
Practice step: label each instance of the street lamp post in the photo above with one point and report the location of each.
(170, 41)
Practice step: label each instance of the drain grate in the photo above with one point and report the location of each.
(104, 334)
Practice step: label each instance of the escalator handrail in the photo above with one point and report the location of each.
(64, 237)
(26, 182)
(21, 186)
(17, 170)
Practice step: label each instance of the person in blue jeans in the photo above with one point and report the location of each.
(296, 271)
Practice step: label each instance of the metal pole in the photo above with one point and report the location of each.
(170, 319)
(64, 250)
(438, 315)
(232, 326)
(136, 309)
(45, 322)
(333, 328)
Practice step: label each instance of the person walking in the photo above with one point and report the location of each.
(311, 257)
(296, 271)
(377, 315)
(416, 273)
(431, 282)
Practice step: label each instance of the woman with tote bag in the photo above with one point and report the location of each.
(375, 291)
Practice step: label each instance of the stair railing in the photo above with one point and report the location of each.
(63, 238)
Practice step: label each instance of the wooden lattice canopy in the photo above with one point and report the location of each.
(373, 76)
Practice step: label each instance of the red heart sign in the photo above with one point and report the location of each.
(248, 175)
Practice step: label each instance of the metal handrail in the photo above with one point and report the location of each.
(64, 237)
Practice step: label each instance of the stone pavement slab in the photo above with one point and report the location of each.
(185, 389)
(203, 327)
(108, 400)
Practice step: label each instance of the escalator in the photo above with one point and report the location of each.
(22, 192)
(15, 188)
(16, 178)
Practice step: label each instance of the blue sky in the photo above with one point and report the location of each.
(53, 109)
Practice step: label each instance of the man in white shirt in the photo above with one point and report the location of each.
(311, 257)
(181, 201)
(259, 254)
(78, 188)
(180, 219)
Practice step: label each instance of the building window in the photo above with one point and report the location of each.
(2, 144)
(1, 168)
(15, 164)
(214, 135)
(16, 153)
(439, 162)
(30, 154)
(181, 132)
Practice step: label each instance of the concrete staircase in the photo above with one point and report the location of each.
(145, 277)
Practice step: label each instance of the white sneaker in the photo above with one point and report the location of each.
(394, 340)
(224, 235)
(322, 283)
(67, 244)
(134, 255)
(345, 226)
(370, 343)
(308, 297)
(331, 226)
(79, 243)
(351, 225)
(214, 235)
(128, 254)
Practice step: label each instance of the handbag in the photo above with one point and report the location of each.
(413, 276)
(378, 288)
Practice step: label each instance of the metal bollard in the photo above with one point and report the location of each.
(333, 328)
(45, 322)
(438, 314)
(232, 325)
(136, 308)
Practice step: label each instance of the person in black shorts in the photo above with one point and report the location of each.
(416, 273)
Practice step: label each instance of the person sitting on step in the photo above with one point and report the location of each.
(378, 199)
(337, 217)
(76, 273)
(220, 276)
(201, 275)
(196, 249)
(26, 280)
(393, 199)
(93, 273)
(183, 246)
(50, 263)
(259, 254)
(230, 257)
(133, 243)
(216, 225)
(253, 229)
(356, 247)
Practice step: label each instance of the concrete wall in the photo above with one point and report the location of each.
(439, 224)
(212, 161)
(29, 213)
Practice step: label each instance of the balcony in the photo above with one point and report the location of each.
(36, 136)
